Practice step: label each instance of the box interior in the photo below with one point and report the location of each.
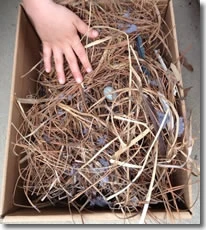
(27, 54)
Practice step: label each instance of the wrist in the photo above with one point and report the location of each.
(32, 6)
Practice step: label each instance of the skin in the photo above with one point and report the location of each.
(58, 29)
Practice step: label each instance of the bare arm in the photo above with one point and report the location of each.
(58, 29)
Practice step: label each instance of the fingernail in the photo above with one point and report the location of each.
(89, 70)
(47, 70)
(95, 33)
(61, 81)
(79, 79)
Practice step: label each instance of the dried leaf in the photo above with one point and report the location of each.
(185, 63)
(186, 91)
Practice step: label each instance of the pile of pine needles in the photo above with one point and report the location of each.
(79, 149)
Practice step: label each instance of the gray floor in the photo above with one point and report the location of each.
(187, 13)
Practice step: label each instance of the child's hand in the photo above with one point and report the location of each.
(57, 27)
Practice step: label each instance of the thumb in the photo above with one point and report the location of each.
(83, 28)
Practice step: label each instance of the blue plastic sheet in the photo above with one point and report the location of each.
(101, 140)
(181, 127)
(98, 201)
(131, 28)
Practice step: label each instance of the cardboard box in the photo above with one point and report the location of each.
(27, 54)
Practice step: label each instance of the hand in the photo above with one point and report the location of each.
(57, 27)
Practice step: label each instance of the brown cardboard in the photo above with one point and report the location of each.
(63, 217)
(27, 43)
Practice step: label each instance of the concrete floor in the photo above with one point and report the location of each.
(187, 13)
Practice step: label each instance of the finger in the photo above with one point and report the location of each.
(47, 52)
(59, 62)
(71, 59)
(83, 28)
(81, 53)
